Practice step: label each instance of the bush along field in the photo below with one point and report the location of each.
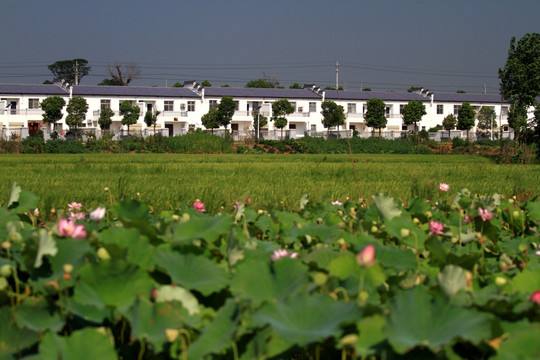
(457, 277)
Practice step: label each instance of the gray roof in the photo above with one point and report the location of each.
(468, 97)
(272, 93)
(366, 95)
(32, 89)
(140, 91)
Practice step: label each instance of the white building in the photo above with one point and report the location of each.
(181, 108)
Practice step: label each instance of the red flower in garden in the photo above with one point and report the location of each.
(436, 228)
(67, 228)
(199, 206)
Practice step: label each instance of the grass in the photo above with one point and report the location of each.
(165, 181)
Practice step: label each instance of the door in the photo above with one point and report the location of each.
(33, 128)
(171, 129)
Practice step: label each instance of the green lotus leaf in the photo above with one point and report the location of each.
(344, 266)
(452, 279)
(407, 232)
(399, 259)
(218, 334)
(21, 201)
(87, 343)
(526, 282)
(12, 338)
(36, 314)
(386, 205)
(418, 319)
(47, 246)
(370, 334)
(202, 227)
(521, 344)
(304, 319)
(169, 293)
(111, 283)
(261, 281)
(138, 247)
(191, 271)
(533, 208)
(149, 321)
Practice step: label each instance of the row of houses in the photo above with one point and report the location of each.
(181, 108)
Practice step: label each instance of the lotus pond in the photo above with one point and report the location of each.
(447, 279)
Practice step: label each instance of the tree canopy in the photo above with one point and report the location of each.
(121, 74)
(210, 120)
(375, 114)
(150, 118)
(412, 112)
(225, 110)
(104, 119)
(333, 114)
(52, 107)
(261, 83)
(280, 109)
(449, 123)
(486, 118)
(69, 69)
(466, 116)
(206, 83)
(520, 76)
(76, 109)
(130, 113)
(295, 86)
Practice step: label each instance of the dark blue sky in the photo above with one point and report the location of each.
(384, 45)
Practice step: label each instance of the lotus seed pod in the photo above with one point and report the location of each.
(363, 295)
(5, 270)
(405, 232)
(320, 278)
(500, 281)
(6, 245)
(349, 340)
(103, 254)
(68, 268)
(175, 217)
(374, 229)
(515, 213)
(172, 334)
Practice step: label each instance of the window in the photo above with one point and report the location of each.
(131, 102)
(388, 109)
(456, 109)
(313, 128)
(504, 111)
(168, 105)
(312, 107)
(351, 108)
(364, 109)
(236, 105)
(213, 104)
(440, 109)
(292, 126)
(401, 108)
(105, 104)
(33, 103)
(191, 106)
(301, 109)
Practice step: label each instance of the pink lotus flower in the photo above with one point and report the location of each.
(199, 206)
(444, 187)
(282, 253)
(337, 202)
(367, 257)
(74, 206)
(485, 214)
(248, 200)
(98, 214)
(535, 297)
(467, 219)
(67, 228)
(76, 216)
(436, 228)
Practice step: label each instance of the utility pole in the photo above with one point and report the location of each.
(485, 90)
(337, 75)
(76, 73)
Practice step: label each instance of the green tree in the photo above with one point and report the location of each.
(210, 120)
(206, 83)
(333, 115)
(449, 123)
(466, 116)
(259, 120)
(177, 84)
(130, 113)
(110, 82)
(295, 86)
(76, 109)
(486, 119)
(375, 114)
(260, 83)
(226, 109)
(69, 69)
(105, 118)
(280, 109)
(517, 118)
(52, 107)
(412, 113)
(150, 118)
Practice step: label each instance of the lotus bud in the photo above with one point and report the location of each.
(367, 257)
(103, 254)
(5, 270)
(172, 334)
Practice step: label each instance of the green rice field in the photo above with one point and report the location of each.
(166, 181)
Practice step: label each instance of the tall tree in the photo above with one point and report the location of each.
(130, 113)
(375, 114)
(76, 109)
(449, 123)
(150, 118)
(226, 109)
(121, 74)
(412, 113)
(210, 120)
(333, 115)
(280, 109)
(295, 86)
(52, 107)
(261, 83)
(105, 118)
(69, 70)
(259, 120)
(206, 83)
(486, 119)
(466, 116)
